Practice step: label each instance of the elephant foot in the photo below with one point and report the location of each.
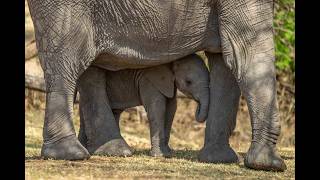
(264, 157)
(164, 151)
(115, 147)
(68, 148)
(168, 151)
(218, 153)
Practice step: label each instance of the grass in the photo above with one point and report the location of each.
(183, 165)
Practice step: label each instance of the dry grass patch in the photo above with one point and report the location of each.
(183, 165)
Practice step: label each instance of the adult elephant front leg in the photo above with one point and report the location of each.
(248, 50)
(65, 48)
(100, 127)
(224, 101)
(60, 141)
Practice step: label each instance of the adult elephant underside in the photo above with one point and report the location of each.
(237, 36)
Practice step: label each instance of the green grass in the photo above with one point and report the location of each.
(183, 165)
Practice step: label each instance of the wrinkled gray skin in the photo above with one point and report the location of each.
(236, 34)
(154, 88)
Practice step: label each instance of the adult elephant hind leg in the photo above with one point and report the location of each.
(246, 29)
(224, 101)
(100, 127)
(259, 89)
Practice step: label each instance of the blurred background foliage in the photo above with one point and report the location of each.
(284, 26)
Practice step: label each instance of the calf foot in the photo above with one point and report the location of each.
(218, 153)
(264, 157)
(68, 148)
(115, 147)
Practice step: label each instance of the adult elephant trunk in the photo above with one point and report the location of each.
(203, 105)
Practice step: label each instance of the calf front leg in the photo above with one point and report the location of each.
(155, 105)
(156, 115)
(171, 107)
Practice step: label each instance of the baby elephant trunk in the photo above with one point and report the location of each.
(203, 105)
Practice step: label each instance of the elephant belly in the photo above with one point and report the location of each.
(143, 33)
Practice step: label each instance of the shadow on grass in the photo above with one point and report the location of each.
(142, 152)
(190, 155)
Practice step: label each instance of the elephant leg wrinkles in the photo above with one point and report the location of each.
(259, 90)
(248, 51)
(98, 117)
(224, 100)
(60, 141)
(156, 112)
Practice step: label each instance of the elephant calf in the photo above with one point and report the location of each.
(154, 88)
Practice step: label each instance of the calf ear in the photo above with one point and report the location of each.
(162, 78)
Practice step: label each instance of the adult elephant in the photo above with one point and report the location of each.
(236, 34)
